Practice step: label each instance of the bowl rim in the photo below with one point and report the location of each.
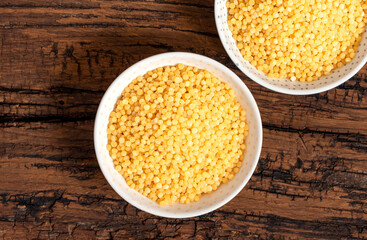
(258, 144)
(274, 87)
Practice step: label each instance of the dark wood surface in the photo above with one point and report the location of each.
(57, 58)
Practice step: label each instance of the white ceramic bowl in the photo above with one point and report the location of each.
(337, 77)
(207, 202)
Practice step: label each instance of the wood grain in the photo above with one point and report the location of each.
(58, 58)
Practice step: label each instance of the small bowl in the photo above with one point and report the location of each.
(207, 202)
(337, 76)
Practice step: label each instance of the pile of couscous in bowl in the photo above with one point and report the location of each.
(297, 40)
(176, 133)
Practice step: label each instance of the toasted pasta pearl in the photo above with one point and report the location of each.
(182, 137)
(301, 40)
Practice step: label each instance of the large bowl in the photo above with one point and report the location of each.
(337, 77)
(208, 202)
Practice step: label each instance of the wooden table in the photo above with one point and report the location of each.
(57, 60)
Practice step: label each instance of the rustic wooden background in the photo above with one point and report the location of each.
(57, 58)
